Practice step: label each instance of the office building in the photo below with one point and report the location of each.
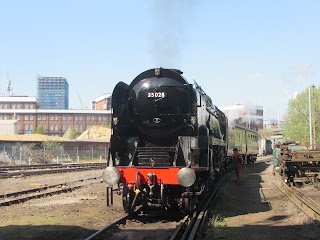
(53, 92)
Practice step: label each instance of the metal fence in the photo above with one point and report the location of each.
(24, 155)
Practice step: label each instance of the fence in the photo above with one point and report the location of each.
(24, 155)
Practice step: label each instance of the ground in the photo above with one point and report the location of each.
(72, 215)
(255, 209)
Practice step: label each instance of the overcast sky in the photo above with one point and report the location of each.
(246, 52)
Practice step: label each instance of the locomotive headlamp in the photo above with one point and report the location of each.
(186, 177)
(115, 120)
(110, 176)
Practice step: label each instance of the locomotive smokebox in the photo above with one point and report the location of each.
(160, 102)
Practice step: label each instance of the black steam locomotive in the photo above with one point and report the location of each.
(168, 143)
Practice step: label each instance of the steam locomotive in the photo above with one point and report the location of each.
(168, 142)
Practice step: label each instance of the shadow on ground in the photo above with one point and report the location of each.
(44, 232)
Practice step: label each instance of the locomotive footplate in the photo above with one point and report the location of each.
(162, 175)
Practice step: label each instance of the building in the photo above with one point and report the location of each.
(53, 121)
(8, 127)
(274, 127)
(103, 102)
(249, 116)
(53, 92)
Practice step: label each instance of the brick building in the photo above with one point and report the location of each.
(103, 102)
(54, 122)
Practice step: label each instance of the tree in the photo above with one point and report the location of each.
(296, 120)
(51, 149)
(39, 130)
(71, 133)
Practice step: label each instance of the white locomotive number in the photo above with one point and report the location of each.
(156, 94)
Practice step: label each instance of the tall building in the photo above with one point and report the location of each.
(53, 92)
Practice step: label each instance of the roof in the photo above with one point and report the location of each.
(18, 99)
(54, 111)
(32, 138)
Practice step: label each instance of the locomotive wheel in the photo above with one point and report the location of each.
(127, 198)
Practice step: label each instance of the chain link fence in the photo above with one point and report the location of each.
(29, 154)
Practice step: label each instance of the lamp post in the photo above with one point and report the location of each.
(308, 66)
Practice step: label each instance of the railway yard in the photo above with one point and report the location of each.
(72, 205)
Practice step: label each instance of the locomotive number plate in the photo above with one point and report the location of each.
(156, 94)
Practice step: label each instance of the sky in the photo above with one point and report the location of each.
(239, 52)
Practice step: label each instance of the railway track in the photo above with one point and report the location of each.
(192, 226)
(305, 203)
(22, 171)
(48, 190)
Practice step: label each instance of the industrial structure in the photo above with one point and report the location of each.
(53, 92)
(248, 116)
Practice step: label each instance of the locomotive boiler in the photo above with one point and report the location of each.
(168, 142)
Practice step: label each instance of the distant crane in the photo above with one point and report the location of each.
(80, 99)
(9, 88)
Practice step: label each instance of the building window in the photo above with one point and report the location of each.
(44, 117)
(26, 106)
(104, 118)
(56, 117)
(64, 127)
(31, 106)
(26, 117)
(39, 117)
(18, 117)
(56, 127)
(92, 118)
(31, 127)
(88, 118)
(99, 118)
(1, 106)
(18, 105)
(76, 117)
(31, 117)
(51, 118)
(64, 117)
(80, 117)
(69, 117)
(51, 127)
(44, 127)
(26, 127)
